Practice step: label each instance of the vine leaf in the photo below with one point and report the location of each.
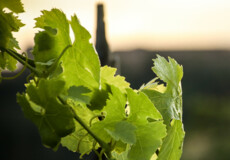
(114, 113)
(15, 5)
(173, 143)
(168, 102)
(108, 76)
(123, 131)
(144, 136)
(79, 94)
(80, 63)
(149, 135)
(55, 37)
(84, 58)
(9, 23)
(80, 141)
(80, 67)
(53, 119)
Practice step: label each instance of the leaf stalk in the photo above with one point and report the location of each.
(21, 59)
(106, 147)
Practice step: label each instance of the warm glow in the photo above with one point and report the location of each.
(151, 24)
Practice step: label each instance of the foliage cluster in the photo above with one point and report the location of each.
(75, 102)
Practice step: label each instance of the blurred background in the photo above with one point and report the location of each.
(196, 33)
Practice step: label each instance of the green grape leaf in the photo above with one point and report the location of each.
(172, 145)
(168, 102)
(108, 77)
(170, 72)
(55, 37)
(41, 105)
(141, 108)
(80, 63)
(79, 94)
(12, 21)
(14, 5)
(99, 97)
(7, 62)
(5, 31)
(123, 131)
(84, 58)
(149, 138)
(144, 137)
(9, 23)
(149, 135)
(114, 112)
(80, 141)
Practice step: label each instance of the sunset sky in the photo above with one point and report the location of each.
(148, 24)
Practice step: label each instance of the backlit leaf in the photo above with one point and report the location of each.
(149, 135)
(80, 63)
(169, 103)
(14, 5)
(41, 105)
(108, 75)
(173, 144)
(80, 141)
(9, 23)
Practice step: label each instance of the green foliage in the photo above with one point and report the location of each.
(148, 134)
(173, 143)
(168, 102)
(15, 5)
(82, 106)
(40, 104)
(9, 23)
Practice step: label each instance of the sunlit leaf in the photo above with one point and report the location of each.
(41, 105)
(173, 144)
(169, 103)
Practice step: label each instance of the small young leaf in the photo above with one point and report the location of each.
(170, 72)
(169, 103)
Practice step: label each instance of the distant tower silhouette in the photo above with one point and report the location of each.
(101, 42)
(102, 46)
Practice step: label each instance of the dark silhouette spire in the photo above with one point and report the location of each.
(101, 42)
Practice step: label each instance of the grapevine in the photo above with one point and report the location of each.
(76, 103)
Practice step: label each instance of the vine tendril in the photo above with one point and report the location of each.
(96, 116)
(20, 72)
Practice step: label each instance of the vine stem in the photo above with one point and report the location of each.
(106, 147)
(54, 65)
(19, 58)
(19, 73)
